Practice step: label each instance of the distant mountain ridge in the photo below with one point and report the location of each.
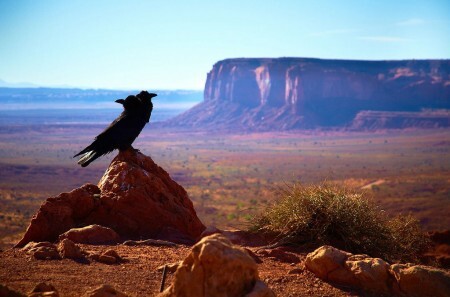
(5, 84)
(295, 93)
(86, 97)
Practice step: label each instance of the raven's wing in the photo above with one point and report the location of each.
(119, 134)
(108, 130)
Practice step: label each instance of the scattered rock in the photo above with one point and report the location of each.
(68, 249)
(371, 274)
(46, 253)
(108, 257)
(105, 291)
(42, 250)
(44, 290)
(217, 268)
(92, 234)
(112, 253)
(280, 255)
(153, 242)
(33, 246)
(375, 275)
(135, 197)
(7, 292)
(418, 280)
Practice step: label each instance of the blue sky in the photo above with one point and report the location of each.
(173, 44)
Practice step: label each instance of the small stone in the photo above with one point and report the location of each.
(112, 253)
(280, 255)
(107, 259)
(46, 253)
(32, 246)
(44, 290)
(152, 242)
(105, 291)
(92, 234)
(68, 249)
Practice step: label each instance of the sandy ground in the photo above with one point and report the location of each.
(138, 274)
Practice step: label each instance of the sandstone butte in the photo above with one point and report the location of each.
(260, 94)
(135, 197)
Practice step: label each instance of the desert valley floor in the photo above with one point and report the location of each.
(230, 177)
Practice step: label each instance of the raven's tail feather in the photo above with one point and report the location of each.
(88, 158)
(84, 151)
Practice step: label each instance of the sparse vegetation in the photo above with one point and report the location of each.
(330, 214)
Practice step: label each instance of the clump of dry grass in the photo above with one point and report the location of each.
(330, 214)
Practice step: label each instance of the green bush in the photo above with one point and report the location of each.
(329, 214)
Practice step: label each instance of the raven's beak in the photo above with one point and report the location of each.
(121, 101)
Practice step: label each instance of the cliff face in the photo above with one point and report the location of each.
(288, 93)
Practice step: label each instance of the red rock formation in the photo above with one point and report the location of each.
(376, 275)
(289, 93)
(139, 199)
(135, 197)
(58, 214)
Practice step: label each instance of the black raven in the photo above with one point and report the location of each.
(121, 133)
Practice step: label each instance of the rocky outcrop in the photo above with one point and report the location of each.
(217, 268)
(58, 214)
(135, 197)
(290, 93)
(376, 275)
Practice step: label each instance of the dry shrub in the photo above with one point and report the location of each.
(330, 214)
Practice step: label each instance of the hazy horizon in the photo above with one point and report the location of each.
(146, 45)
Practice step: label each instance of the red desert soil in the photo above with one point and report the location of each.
(138, 274)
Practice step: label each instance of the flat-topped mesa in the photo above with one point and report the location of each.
(289, 93)
(135, 197)
(293, 80)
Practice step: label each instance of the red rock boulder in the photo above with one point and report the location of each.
(92, 234)
(139, 199)
(61, 213)
(135, 197)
